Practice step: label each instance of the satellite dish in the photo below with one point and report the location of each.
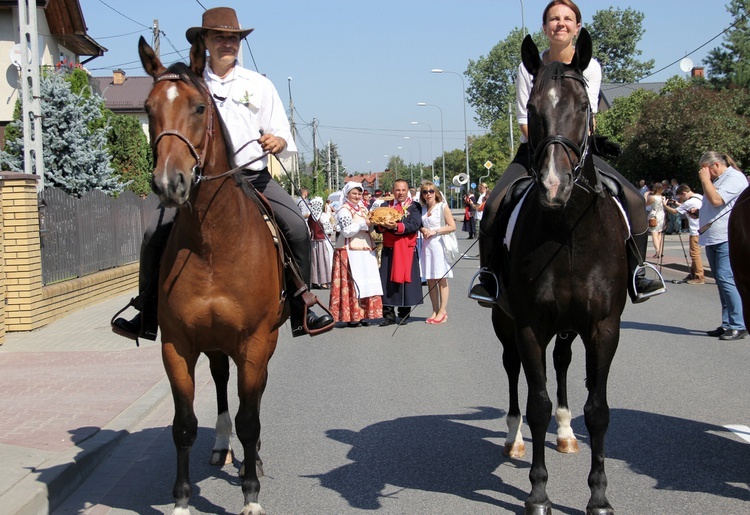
(686, 64)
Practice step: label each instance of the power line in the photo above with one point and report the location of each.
(122, 35)
(733, 25)
(199, 3)
(124, 16)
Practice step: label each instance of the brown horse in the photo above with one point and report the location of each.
(564, 274)
(219, 285)
(739, 249)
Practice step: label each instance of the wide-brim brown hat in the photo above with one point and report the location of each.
(223, 19)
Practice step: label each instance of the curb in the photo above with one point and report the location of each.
(67, 470)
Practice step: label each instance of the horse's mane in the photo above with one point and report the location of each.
(189, 76)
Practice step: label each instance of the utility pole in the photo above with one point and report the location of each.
(156, 40)
(293, 127)
(329, 165)
(33, 155)
(315, 152)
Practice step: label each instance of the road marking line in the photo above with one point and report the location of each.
(741, 431)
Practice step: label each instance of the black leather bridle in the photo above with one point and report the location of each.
(580, 151)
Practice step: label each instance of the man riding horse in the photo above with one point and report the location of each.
(250, 108)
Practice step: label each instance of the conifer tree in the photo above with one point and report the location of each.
(76, 158)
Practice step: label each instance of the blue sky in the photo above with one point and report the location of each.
(359, 67)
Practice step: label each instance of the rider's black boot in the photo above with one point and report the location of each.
(315, 323)
(145, 323)
(641, 288)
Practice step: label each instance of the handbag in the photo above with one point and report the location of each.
(449, 241)
(652, 222)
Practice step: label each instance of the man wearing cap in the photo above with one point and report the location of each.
(251, 108)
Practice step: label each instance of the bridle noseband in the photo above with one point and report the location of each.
(580, 151)
(200, 159)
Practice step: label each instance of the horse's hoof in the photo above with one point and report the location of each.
(515, 450)
(567, 445)
(222, 457)
(607, 510)
(544, 508)
(253, 508)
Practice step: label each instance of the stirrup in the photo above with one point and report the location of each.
(484, 300)
(641, 297)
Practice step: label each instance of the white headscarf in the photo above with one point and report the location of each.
(349, 186)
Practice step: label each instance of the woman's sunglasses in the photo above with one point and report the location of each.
(431, 192)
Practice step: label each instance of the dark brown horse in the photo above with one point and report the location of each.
(739, 249)
(219, 285)
(565, 273)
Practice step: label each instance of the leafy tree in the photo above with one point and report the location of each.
(492, 78)
(675, 129)
(730, 63)
(615, 34)
(76, 158)
(489, 147)
(625, 111)
(131, 152)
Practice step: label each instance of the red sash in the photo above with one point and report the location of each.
(403, 252)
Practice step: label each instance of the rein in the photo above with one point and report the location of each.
(200, 159)
(580, 151)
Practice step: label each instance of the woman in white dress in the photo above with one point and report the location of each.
(437, 220)
(655, 201)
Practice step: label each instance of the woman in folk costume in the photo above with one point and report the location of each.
(437, 220)
(355, 290)
(320, 226)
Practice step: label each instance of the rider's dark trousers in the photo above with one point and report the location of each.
(286, 212)
(631, 199)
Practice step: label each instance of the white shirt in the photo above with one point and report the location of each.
(479, 203)
(524, 82)
(684, 209)
(252, 104)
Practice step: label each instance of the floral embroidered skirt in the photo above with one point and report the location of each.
(344, 305)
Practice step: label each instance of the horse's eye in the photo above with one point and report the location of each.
(201, 109)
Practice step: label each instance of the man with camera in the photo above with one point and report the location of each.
(688, 205)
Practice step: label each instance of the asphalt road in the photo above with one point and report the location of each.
(364, 420)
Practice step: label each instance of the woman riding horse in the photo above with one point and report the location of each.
(561, 22)
(251, 108)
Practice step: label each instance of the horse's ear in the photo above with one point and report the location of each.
(150, 62)
(198, 55)
(584, 50)
(530, 55)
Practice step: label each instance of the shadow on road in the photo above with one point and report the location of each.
(435, 453)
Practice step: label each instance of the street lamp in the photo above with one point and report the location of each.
(432, 161)
(523, 24)
(466, 133)
(442, 139)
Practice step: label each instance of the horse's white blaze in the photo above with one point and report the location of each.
(181, 511)
(514, 430)
(172, 93)
(554, 96)
(223, 431)
(161, 177)
(552, 179)
(563, 417)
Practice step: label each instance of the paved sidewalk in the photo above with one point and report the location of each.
(73, 389)
(70, 392)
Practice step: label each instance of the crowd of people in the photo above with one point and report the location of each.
(376, 269)
(675, 208)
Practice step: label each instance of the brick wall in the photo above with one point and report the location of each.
(25, 304)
